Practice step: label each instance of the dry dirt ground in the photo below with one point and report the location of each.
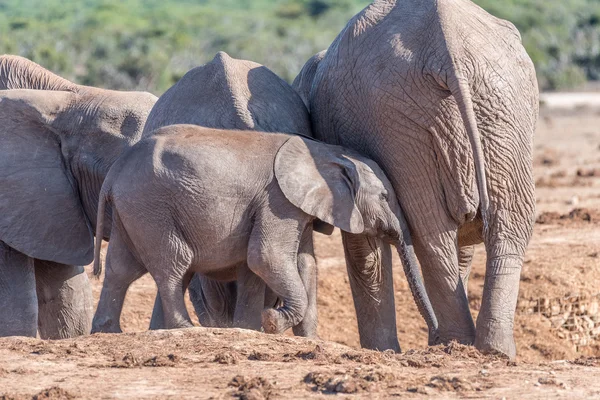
(558, 355)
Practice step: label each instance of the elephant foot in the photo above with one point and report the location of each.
(273, 322)
(181, 325)
(496, 338)
(105, 325)
(434, 338)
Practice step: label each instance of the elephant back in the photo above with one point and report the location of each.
(227, 93)
(20, 73)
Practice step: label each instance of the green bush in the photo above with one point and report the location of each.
(149, 44)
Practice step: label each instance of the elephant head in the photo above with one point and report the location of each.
(349, 191)
(57, 146)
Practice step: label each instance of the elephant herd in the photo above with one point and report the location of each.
(413, 129)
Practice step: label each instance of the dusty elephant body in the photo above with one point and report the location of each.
(444, 97)
(191, 199)
(228, 93)
(58, 142)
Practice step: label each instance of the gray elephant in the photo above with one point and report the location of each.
(444, 97)
(228, 93)
(192, 199)
(58, 142)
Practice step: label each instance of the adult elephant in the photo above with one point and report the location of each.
(58, 141)
(444, 97)
(237, 94)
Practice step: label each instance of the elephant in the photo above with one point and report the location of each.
(58, 142)
(219, 202)
(443, 96)
(228, 93)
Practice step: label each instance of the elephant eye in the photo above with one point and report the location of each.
(384, 196)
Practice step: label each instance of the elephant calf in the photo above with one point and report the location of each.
(192, 199)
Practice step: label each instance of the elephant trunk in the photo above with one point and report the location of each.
(403, 243)
(103, 198)
(417, 288)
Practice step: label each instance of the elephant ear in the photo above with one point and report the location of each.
(40, 211)
(316, 178)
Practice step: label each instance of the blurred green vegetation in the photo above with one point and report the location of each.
(150, 44)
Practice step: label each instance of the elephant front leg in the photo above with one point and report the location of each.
(18, 299)
(307, 267)
(369, 264)
(65, 302)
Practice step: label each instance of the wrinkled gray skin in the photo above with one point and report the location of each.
(171, 193)
(444, 97)
(227, 93)
(58, 140)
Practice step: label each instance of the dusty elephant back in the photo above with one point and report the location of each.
(231, 94)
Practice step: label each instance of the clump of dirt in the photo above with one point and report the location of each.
(587, 361)
(129, 360)
(53, 393)
(577, 215)
(170, 360)
(259, 356)
(548, 157)
(227, 358)
(257, 388)
(316, 354)
(446, 383)
(342, 382)
(588, 172)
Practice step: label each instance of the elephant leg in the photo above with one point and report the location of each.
(278, 268)
(171, 270)
(369, 264)
(465, 258)
(214, 301)
(437, 253)
(18, 298)
(65, 302)
(250, 299)
(271, 299)
(122, 269)
(157, 321)
(505, 252)
(307, 267)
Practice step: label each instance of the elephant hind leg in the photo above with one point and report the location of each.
(465, 259)
(65, 301)
(171, 269)
(214, 301)
(250, 299)
(445, 286)
(18, 299)
(122, 269)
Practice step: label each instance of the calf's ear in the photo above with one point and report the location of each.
(316, 178)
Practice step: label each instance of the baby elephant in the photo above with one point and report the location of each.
(192, 199)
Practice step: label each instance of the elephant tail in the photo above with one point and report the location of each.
(102, 200)
(459, 87)
(415, 283)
